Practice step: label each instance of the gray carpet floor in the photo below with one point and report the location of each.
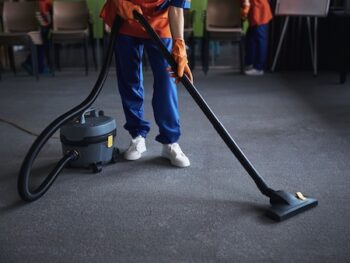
(294, 128)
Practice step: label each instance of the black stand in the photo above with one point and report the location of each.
(312, 41)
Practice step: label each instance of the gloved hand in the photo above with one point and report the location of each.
(244, 11)
(180, 56)
(126, 9)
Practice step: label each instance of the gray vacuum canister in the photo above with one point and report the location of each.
(93, 137)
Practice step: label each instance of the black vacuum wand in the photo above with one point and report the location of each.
(283, 204)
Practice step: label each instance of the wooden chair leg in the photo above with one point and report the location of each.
(205, 54)
(7, 60)
(34, 51)
(57, 56)
(12, 60)
(105, 44)
(93, 47)
(48, 56)
(86, 46)
(241, 55)
(193, 52)
(52, 58)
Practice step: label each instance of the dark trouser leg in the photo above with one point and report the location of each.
(129, 71)
(165, 101)
(261, 35)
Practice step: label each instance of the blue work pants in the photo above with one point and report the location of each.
(256, 46)
(129, 51)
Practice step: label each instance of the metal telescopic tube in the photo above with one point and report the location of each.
(259, 181)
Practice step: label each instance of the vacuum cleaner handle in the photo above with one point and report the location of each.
(219, 127)
(23, 178)
(92, 111)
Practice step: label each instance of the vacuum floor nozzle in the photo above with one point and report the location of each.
(289, 205)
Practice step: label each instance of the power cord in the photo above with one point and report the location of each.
(15, 125)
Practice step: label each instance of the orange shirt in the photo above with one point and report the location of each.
(158, 19)
(260, 12)
(45, 6)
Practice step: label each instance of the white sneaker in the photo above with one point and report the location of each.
(136, 148)
(174, 153)
(254, 72)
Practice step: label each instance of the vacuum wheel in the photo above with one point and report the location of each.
(96, 167)
(115, 155)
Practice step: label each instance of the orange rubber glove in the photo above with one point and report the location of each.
(180, 55)
(244, 11)
(126, 8)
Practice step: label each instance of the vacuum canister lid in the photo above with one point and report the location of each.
(91, 126)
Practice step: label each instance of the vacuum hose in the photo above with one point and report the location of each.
(23, 179)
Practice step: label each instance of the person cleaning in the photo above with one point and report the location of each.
(258, 13)
(166, 18)
(44, 19)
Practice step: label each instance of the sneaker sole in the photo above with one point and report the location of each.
(180, 165)
(133, 158)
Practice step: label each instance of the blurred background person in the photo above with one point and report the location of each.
(44, 18)
(258, 13)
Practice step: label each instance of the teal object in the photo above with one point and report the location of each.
(245, 26)
(95, 7)
(199, 6)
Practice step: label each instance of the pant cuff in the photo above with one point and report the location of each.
(167, 140)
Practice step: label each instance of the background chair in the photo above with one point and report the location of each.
(222, 22)
(20, 28)
(71, 25)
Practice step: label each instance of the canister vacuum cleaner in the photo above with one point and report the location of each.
(92, 137)
(88, 140)
(87, 136)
